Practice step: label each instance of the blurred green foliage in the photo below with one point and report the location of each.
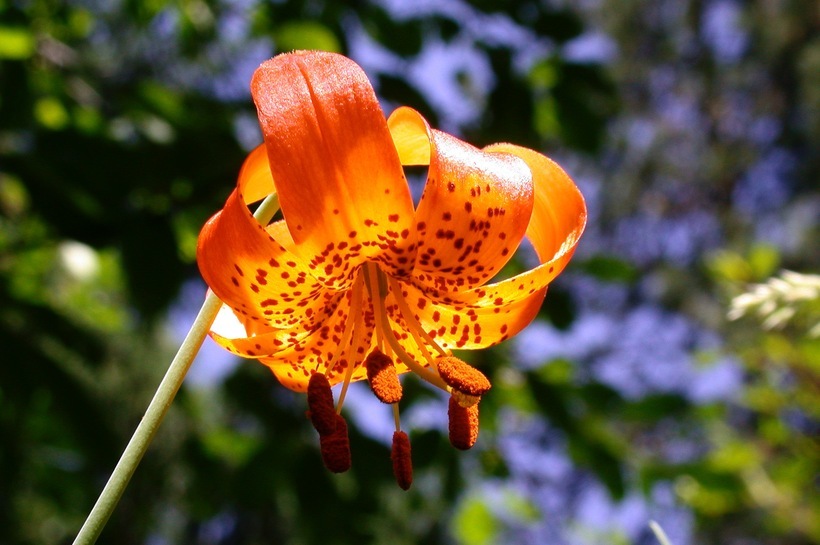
(116, 145)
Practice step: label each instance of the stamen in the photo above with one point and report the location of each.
(396, 416)
(355, 322)
(384, 381)
(335, 447)
(355, 294)
(463, 424)
(377, 297)
(462, 376)
(371, 279)
(424, 373)
(413, 325)
(402, 460)
(320, 402)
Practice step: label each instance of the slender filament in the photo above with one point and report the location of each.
(396, 416)
(421, 371)
(412, 324)
(355, 322)
(372, 279)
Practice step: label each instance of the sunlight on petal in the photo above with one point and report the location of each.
(355, 274)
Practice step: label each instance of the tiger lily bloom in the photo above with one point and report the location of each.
(357, 283)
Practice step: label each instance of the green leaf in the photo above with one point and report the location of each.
(729, 265)
(609, 269)
(559, 308)
(521, 507)
(602, 461)
(764, 260)
(656, 407)
(306, 35)
(231, 446)
(474, 523)
(559, 371)
(16, 43)
(51, 114)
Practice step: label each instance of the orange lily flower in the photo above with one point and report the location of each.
(355, 282)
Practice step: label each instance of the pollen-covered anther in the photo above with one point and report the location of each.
(462, 377)
(384, 381)
(335, 447)
(320, 402)
(463, 424)
(402, 460)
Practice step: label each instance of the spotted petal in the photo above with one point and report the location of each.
(475, 207)
(231, 333)
(489, 314)
(454, 324)
(559, 212)
(341, 186)
(251, 269)
(317, 351)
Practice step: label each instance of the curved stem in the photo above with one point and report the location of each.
(161, 402)
(149, 424)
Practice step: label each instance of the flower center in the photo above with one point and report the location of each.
(464, 383)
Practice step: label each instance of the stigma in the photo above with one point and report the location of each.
(369, 333)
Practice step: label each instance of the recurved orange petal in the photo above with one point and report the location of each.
(467, 320)
(307, 355)
(485, 315)
(340, 183)
(475, 207)
(559, 212)
(250, 271)
(255, 180)
(293, 354)
(232, 333)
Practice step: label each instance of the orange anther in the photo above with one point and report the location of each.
(402, 460)
(335, 447)
(384, 381)
(462, 377)
(463, 424)
(320, 401)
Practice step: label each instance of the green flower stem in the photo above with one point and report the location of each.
(161, 402)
